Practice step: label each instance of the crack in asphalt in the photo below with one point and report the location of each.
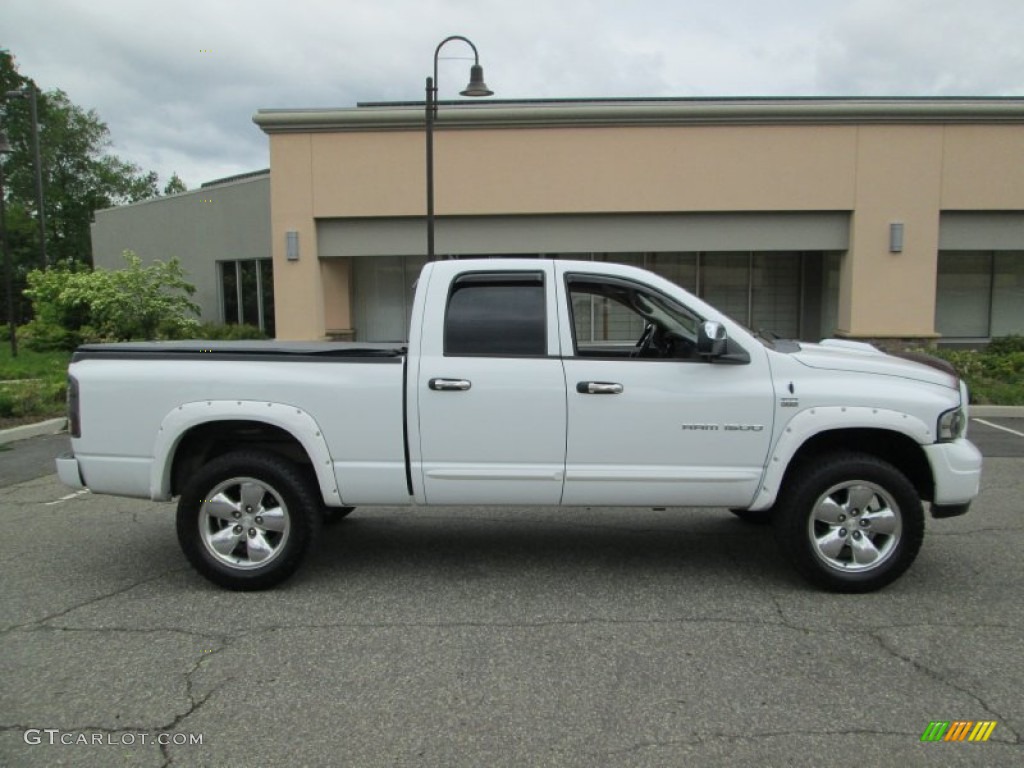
(940, 678)
(876, 636)
(222, 637)
(176, 724)
(195, 704)
(227, 640)
(538, 624)
(90, 601)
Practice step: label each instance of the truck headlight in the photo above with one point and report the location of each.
(952, 424)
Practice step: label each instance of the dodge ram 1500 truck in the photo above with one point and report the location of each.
(529, 382)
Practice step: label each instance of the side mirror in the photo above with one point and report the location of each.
(712, 339)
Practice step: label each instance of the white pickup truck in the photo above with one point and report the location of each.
(529, 382)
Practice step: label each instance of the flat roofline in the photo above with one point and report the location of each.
(552, 113)
(205, 188)
(237, 177)
(625, 100)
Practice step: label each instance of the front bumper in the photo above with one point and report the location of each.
(69, 472)
(956, 469)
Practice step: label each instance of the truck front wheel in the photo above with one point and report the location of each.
(850, 522)
(246, 520)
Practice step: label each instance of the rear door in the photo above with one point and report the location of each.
(490, 389)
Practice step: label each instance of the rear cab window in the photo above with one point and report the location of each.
(496, 314)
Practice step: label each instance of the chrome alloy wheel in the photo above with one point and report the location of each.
(855, 526)
(244, 523)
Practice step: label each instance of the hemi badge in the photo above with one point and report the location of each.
(789, 402)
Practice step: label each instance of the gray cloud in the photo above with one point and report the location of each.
(926, 48)
(178, 82)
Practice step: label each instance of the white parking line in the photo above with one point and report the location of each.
(62, 499)
(999, 426)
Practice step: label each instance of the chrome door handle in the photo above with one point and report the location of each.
(449, 385)
(599, 388)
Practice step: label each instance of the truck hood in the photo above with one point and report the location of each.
(858, 357)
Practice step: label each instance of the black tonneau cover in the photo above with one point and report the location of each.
(294, 351)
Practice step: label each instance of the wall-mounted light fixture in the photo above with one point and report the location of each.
(291, 240)
(896, 237)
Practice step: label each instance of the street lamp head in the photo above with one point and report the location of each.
(477, 86)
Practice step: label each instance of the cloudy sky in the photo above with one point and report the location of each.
(178, 82)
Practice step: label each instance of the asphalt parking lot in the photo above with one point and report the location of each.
(465, 637)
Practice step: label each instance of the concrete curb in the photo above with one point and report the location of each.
(50, 427)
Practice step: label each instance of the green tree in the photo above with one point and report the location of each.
(79, 175)
(175, 186)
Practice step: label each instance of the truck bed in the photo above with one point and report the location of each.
(345, 397)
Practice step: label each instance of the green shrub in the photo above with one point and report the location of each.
(32, 398)
(39, 335)
(1005, 345)
(995, 374)
(71, 305)
(222, 332)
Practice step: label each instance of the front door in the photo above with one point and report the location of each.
(649, 421)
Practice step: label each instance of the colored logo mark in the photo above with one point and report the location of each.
(958, 730)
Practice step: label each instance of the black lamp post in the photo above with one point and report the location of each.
(29, 92)
(477, 87)
(4, 149)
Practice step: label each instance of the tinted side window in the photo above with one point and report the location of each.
(497, 315)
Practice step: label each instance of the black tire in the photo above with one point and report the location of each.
(334, 515)
(246, 520)
(750, 517)
(849, 522)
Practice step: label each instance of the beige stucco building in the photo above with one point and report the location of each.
(866, 218)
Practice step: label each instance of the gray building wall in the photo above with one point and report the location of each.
(224, 221)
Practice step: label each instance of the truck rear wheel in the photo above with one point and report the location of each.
(850, 522)
(246, 520)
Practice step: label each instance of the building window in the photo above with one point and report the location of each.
(791, 294)
(725, 284)
(247, 293)
(979, 294)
